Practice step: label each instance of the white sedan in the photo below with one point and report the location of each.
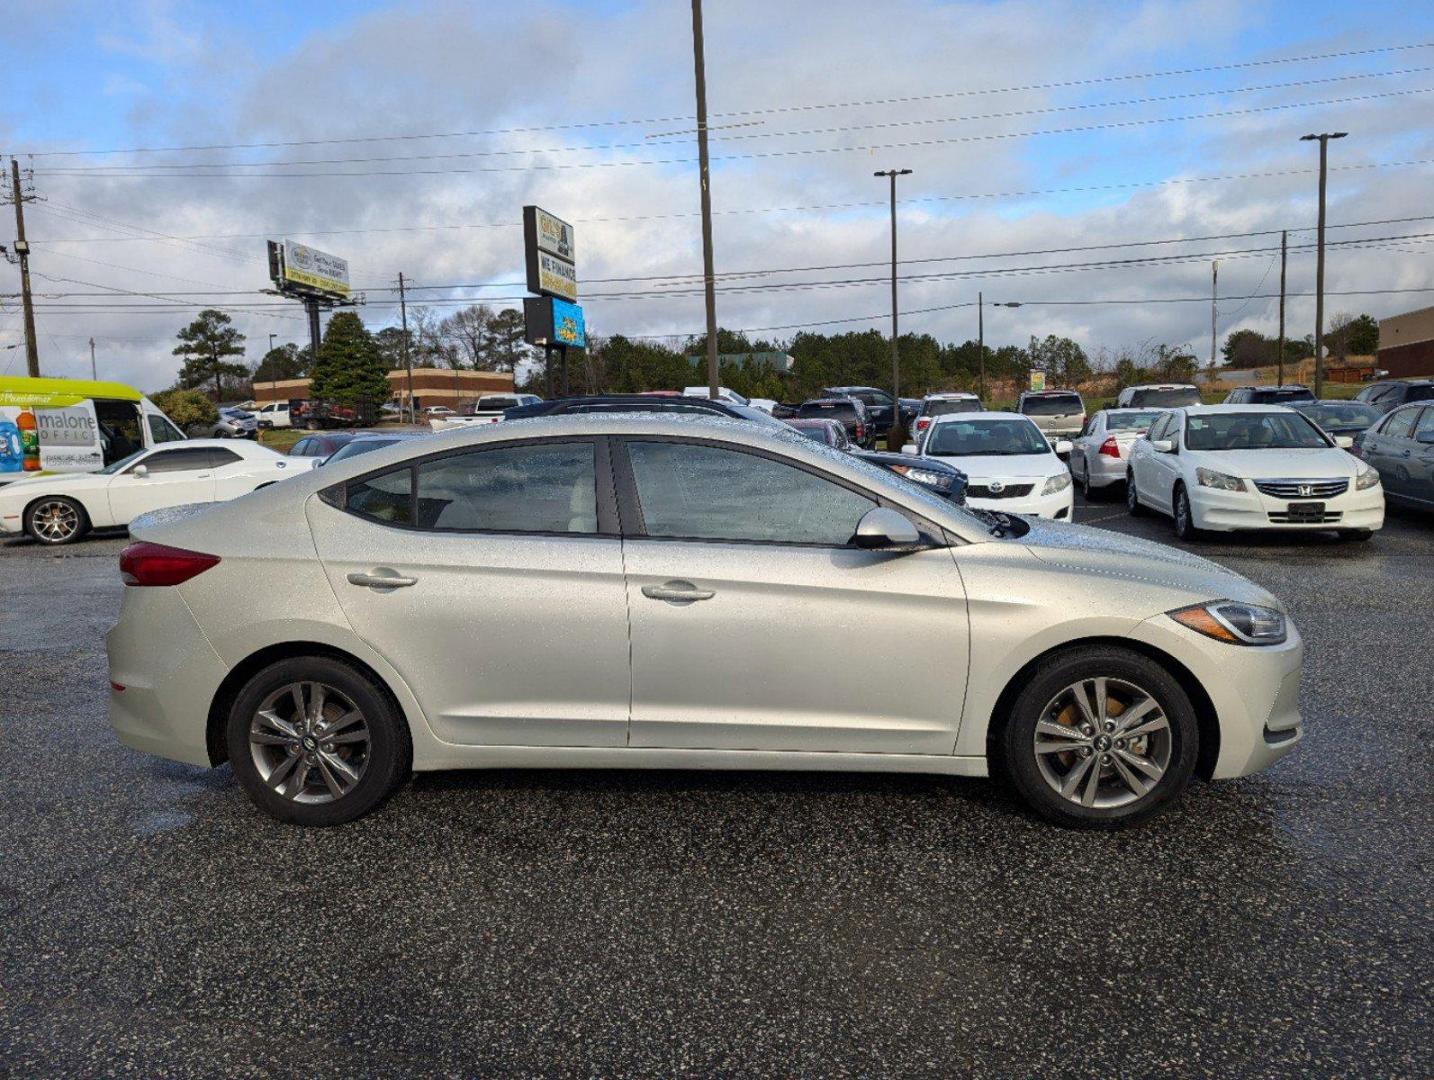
(1230, 467)
(1100, 451)
(1009, 464)
(58, 508)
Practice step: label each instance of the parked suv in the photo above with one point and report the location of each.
(850, 411)
(1058, 413)
(1268, 395)
(1158, 396)
(934, 405)
(878, 406)
(1393, 393)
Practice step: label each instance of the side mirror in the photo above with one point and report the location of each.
(141, 471)
(909, 448)
(1344, 442)
(883, 529)
(1063, 447)
(1162, 446)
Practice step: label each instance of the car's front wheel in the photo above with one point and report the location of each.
(315, 742)
(1132, 497)
(1184, 519)
(56, 520)
(1100, 737)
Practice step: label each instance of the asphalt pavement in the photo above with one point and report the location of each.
(627, 923)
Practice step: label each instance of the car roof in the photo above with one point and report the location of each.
(1247, 407)
(1135, 408)
(1162, 386)
(241, 446)
(947, 395)
(946, 418)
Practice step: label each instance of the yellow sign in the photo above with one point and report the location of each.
(1038, 380)
(557, 277)
(315, 269)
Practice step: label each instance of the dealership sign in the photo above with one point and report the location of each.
(296, 267)
(549, 254)
(550, 321)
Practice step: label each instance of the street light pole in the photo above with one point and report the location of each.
(1214, 301)
(896, 435)
(1323, 138)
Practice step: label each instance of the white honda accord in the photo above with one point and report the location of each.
(1229, 467)
(59, 508)
(669, 591)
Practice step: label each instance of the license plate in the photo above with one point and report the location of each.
(1306, 511)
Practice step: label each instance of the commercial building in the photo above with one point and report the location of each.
(431, 386)
(1406, 344)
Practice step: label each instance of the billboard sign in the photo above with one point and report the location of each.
(300, 268)
(549, 254)
(550, 321)
(1038, 380)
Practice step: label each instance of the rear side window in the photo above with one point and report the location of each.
(1400, 423)
(167, 461)
(301, 448)
(539, 488)
(691, 491)
(220, 456)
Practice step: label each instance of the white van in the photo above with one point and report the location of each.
(74, 425)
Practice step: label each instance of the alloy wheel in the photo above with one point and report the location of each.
(55, 521)
(310, 742)
(1103, 743)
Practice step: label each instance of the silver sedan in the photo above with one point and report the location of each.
(649, 591)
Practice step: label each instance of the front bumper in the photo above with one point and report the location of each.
(1229, 511)
(1056, 507)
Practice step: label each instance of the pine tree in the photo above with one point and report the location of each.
(349, 370)
(204, 344)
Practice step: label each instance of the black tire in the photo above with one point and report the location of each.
(389, 749)
(1091, 494)
(43, 519)
(312, 425)
(1184, 519)
(1016, 741)
(1356, 535)
(1132, 499)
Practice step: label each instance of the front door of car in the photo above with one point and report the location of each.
(491, 580)
(1392, 449)
(170, 476)
(1164, 468)
(1421, 459)
(756, 625)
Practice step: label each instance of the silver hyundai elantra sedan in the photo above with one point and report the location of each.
(648, 591)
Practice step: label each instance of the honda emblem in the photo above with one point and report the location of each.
(1306, 491)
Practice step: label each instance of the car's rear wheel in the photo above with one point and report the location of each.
(56, 520)
(1132, 498)
(1101, 737)
(315, 742)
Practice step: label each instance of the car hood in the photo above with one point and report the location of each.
(1130, 559)
(1279, 464)
(985, 467)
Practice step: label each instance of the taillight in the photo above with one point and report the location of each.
(922, 422)
(1110, 448)
(860, 431)
(143, 563)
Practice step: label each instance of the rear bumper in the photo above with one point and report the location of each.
(1105, 470)
(169, 673)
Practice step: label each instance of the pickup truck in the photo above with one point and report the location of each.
(488, 409)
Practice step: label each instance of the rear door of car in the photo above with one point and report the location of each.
(757, 625)
(491, 579)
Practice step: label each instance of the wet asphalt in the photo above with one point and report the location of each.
(627, 923)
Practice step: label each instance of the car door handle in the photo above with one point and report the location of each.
(677, 592)
(381, 579)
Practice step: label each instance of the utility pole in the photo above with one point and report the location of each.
(273, 371)
(93, 371)
(1280, 358)
(981, 341)
(897, 434)
(22, 252)
(1214, 295)
(407, 361)
(709, 285)
(1323, 139)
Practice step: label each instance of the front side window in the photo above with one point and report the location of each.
(168, 461)
(161, 430)
(537, 488)
(1253, 431)
(691, 491)
(1400, 423)
(985, 438)
(1425, 427)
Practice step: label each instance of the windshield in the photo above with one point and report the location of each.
(1130, 421)
(1350, 416)
(947, 406)
(986, 438)
(1172, 397)
(1252, 431)
(358, 446)
(1052, 405)
(111, 469)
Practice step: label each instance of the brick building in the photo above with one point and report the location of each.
(1406, 344)
(431, 386)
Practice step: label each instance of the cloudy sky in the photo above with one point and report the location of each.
(1050, 143)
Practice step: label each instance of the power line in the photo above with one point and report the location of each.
(578, 126)
(128, 171)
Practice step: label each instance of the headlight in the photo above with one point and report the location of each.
(925, 477)
(1222, 481)
(1056, 483)
(1234, 623)
(1366, 479)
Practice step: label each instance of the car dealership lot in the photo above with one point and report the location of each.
(768, 924)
